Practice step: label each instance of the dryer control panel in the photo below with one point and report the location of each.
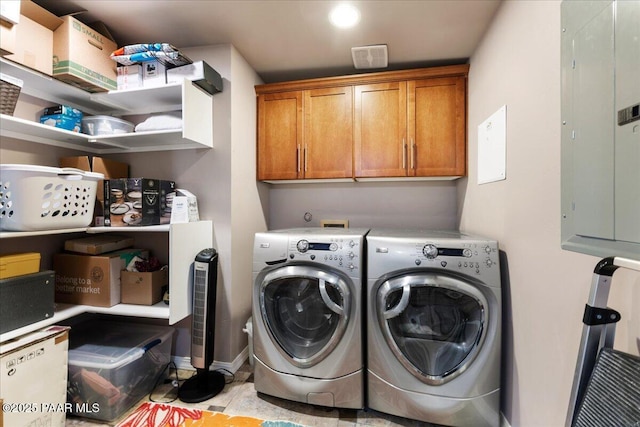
(341, 252)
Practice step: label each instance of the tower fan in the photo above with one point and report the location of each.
(205, 384)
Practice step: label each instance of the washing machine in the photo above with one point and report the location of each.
(307, 316)
(433, 326)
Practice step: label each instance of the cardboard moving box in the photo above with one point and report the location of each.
(109, 168)
(99, 244)
(32, 37)
(143, 288)
(82, 57)
(92, 279)
(33, 369)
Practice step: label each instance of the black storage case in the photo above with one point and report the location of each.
(26, 299)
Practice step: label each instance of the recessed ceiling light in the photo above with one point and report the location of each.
(344, 16)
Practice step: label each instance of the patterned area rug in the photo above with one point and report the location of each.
(151, 414)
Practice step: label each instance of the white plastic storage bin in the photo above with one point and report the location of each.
(112, 365)
(46, 198)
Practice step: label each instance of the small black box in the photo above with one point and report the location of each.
(26, 299)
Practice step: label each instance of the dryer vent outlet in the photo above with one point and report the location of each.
(374, 56)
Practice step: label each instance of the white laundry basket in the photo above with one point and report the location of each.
(248, 329)
(34, 198)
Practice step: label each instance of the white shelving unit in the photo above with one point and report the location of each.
(196, 106)
(185, 241)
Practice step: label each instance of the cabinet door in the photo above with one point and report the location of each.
(328, 133)
(380, 130)
(436, 127)
(279, 135)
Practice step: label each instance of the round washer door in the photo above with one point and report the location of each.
(305, 310)
(434, 323)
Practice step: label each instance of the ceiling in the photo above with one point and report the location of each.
(293, 39)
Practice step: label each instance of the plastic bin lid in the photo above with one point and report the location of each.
(110, 345)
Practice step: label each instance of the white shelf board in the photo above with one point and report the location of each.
(134, 101)
(164, 228)
(16, 234)
(66, 311)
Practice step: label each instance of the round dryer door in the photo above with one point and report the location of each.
(306, 311)
(433, 323)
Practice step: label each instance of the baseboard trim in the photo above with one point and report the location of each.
(184, 362)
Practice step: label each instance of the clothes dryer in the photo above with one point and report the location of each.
(433, 326)
(307, 325)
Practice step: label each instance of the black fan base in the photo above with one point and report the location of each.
(202, 386)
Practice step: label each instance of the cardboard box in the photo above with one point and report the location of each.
(129, 76)
(26, 299)
(143, 288)
(8, 34)
(33, 369)
(91, 279)
(136, 201)
(199, 73)
(98, 244)
(153, 74)
(82, 57)
(33, 37)
(109, 168)
(12, 265)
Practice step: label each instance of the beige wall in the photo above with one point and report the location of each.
(518, 65)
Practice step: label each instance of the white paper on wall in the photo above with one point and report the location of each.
(492, 147)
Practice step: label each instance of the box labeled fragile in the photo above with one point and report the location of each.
(143, 287)
(112, 365)
(92, 279)
(33, 369)
(82, 57)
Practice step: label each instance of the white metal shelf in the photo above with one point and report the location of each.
(90, 230)
(67, 311)
(196, 106)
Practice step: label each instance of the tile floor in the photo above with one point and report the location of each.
(240, 398)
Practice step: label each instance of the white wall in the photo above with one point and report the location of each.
(518, 65)
(425, 204)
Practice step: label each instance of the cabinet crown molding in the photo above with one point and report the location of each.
(365, 78)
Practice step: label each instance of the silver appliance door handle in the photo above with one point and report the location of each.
(328, 301)
(399, 308)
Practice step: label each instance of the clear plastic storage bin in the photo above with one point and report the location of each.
(46, 198)
(105, 125)
(113, 365)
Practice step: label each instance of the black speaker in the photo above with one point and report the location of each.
(205, 384)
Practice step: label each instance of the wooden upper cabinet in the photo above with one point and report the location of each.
(380, 130)
(437, 127)
(409, 123)
(279, 135)
(328, 133)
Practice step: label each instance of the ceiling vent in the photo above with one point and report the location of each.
(370, 56)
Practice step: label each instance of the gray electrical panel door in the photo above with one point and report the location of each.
(600, 61)
(627, 153)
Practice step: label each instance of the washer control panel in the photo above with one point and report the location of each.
(342, 252)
